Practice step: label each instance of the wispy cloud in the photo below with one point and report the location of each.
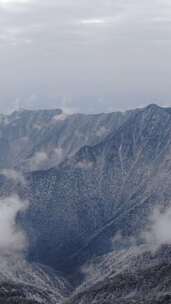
(12, 237)
(158, 231)
(38, 160)
(14, 175)
(101, 21)
(8, 3)
(92, 21)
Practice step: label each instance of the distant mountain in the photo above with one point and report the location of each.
(32, 140)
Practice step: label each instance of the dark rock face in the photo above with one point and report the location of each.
(114, 170)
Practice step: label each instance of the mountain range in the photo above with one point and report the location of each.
(97, 223)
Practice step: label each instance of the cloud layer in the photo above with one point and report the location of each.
(115, 54)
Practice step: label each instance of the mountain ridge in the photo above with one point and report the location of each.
(72, 172)
(92, 212)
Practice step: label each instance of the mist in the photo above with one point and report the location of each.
(159, 228)
(38, 160)
(13, 239)
(14, 175)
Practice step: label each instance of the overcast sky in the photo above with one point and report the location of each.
(85, 55)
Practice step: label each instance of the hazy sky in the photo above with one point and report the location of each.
(85, 55)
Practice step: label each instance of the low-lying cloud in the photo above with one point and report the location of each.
(38, 160)
(57, 155)
(46, 159)
(14, 175)
(85, 164)
(60, 117)
(159, 230)
(12, 237)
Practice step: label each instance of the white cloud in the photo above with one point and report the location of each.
(38, 160)
(53, 156)
(13, 5)
(14, 175)
(57, 154)
(60, 117)
(102, 131)
(12, 238)
(13, 1)
(69, 33)
(6, 3)
(92, 21)
(159, 230)
(101, 21)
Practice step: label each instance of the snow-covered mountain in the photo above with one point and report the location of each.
(135, 275)
(103, 189)
(99, 215)
(32, 140)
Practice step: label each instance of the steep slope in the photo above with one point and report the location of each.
(21, 282)
(136, 275)
(32, 140)
(87, 215)
(108, 188)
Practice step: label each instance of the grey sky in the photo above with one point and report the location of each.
(85, 55)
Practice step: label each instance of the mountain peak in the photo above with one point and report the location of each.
(153, 107)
